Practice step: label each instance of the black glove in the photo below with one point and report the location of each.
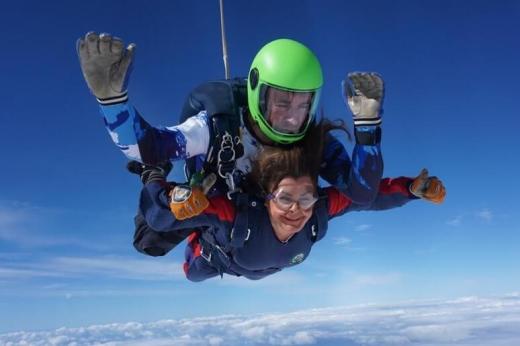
(150, 173)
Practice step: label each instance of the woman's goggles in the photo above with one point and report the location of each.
(285, 201)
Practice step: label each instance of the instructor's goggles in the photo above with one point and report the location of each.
(286, 111)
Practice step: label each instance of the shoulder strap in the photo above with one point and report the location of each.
(320, 219)
(241, 228)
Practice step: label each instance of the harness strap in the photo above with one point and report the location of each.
(320, 220)
(240, 232)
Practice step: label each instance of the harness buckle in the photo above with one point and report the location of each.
(224, 255)
(230, 181)
(206, 257)
(232, 189)
(247, 236)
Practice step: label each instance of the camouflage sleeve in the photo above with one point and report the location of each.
(140, 141)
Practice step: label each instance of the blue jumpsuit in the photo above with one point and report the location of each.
(214, 249)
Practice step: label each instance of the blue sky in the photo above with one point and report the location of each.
(67, 203)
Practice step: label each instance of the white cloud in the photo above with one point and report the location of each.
(8, 217)
(346, 243)
(342, 241)
(285, 278)
(121, 267)
(455, 221)
(377, 280)
(30, 226)
(6, 272)
(485, 215)
(23, 224)
(146, 268)
(462, 322)
(363, 227)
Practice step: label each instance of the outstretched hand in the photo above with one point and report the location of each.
(429, 188)
(105, 64)
(364, 93)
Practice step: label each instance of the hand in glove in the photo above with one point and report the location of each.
(106, 66)
(150, 173)
(429, 188)
(364, 93)
(187, 201)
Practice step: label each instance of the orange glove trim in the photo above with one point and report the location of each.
(192, 206)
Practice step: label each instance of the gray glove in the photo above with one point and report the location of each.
(106, 66)
(363, 93)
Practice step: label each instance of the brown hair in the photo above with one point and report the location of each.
(304, 158)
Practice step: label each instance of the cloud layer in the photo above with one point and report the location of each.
(463, 322)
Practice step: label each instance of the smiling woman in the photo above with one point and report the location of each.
(257, 234)
(287, 179)
(287, 213)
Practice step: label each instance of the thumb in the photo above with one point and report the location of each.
(419, 183)
(423, 175)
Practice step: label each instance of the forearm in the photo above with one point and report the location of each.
(140, 141)
(357, 179)
(392, 193)
(363, 93)
(106, 67)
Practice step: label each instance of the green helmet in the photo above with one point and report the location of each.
(288, 66)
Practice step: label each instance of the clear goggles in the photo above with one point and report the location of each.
(287, 111)
(285, 200)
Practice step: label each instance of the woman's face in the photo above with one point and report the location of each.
(286, 218)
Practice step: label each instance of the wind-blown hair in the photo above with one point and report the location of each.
(303, 158)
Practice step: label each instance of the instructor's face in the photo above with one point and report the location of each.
(287, 111)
